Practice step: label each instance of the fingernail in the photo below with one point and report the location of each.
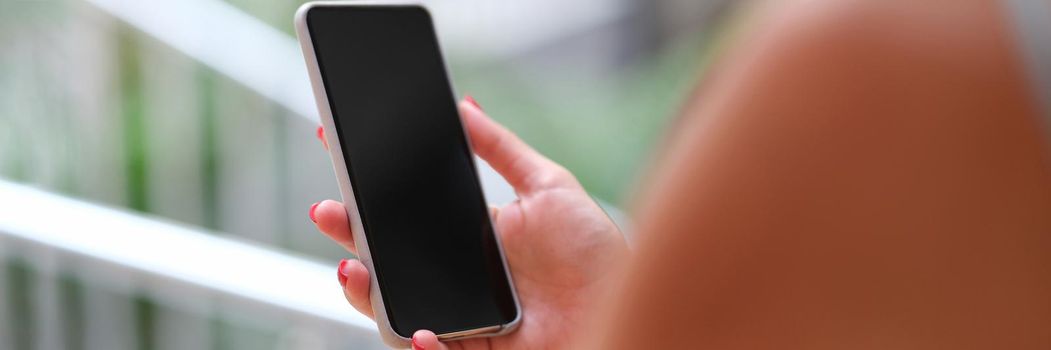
(472, 101)
(415, 345)
(313, 208)
(341, 273)
(321, 136)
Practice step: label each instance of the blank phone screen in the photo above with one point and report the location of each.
(433, 247)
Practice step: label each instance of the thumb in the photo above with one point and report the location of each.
(426, 340)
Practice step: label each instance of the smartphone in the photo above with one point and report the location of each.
(406, 171)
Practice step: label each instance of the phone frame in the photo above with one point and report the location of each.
(387, 333)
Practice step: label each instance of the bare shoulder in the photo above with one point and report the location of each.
(894, 44)
(852, 168)
(854, 91)
(915, 28)
(902, 70)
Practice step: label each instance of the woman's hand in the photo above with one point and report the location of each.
(561, 247)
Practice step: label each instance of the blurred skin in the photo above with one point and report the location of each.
(855, 174)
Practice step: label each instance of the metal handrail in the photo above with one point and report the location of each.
(140, 253)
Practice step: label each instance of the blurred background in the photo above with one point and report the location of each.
(157, 158)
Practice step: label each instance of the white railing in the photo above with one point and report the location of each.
(130, 254)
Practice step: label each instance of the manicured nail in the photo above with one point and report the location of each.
(472, 101)
(416, 345)
(313, 208)
(341, 272)
(321, 136)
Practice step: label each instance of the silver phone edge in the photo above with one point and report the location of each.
(387, 333)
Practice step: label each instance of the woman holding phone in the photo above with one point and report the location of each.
(855, 174)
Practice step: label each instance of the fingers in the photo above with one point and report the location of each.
(522, 166)
(331, 219)
(354, 278)
(424, 339)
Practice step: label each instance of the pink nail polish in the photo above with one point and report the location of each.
(313, 208)
(321, 136)
(340, 274)
(472, 101)
(416, 346)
